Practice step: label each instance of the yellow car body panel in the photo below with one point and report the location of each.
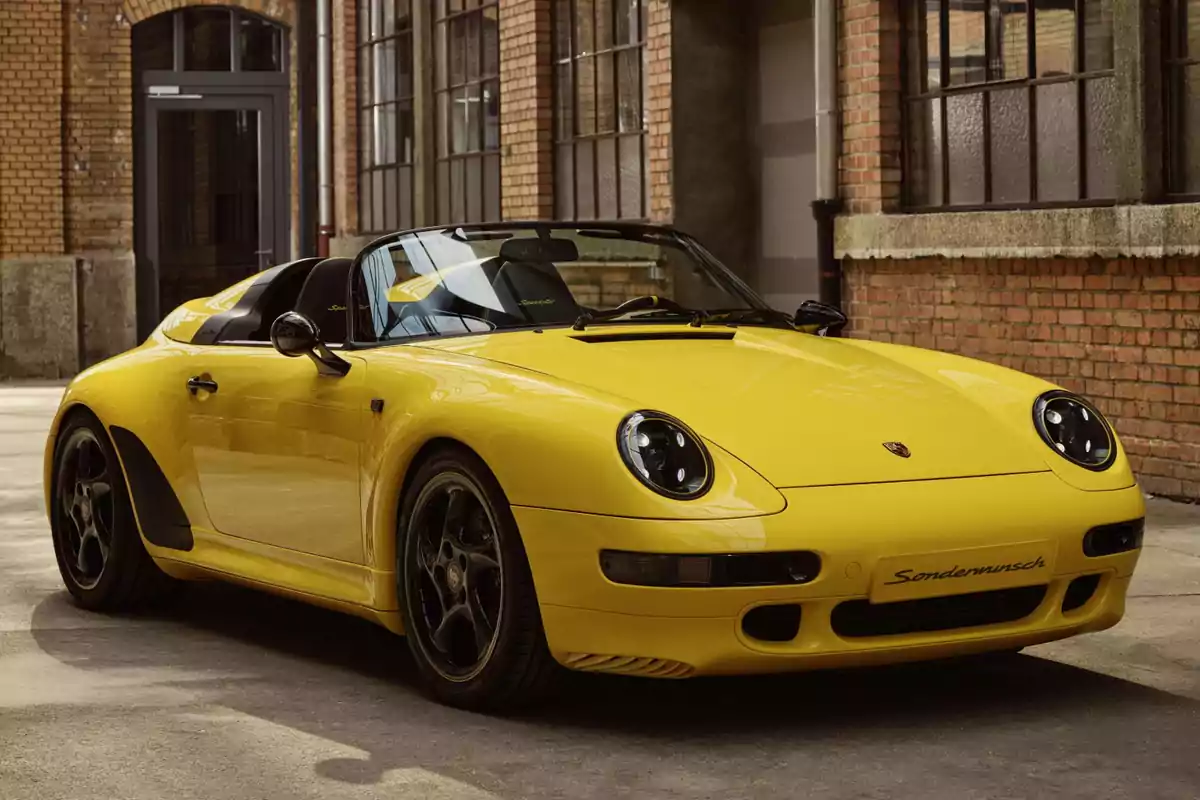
(290, 480)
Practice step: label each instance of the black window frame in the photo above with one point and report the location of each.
(449, 207)
(1176, 62)
(179, 39)
(1080, 77)
(566, 13)
(399, 204)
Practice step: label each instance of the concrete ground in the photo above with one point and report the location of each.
(240, 695)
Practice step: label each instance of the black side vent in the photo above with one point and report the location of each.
(163, 520)
(653, 336)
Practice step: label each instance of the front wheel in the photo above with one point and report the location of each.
(470, 611)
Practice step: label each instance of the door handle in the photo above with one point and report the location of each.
(195, 384)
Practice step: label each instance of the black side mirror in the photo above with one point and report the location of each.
(819, 318)
(295, 335)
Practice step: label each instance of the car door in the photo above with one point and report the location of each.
(276, 447)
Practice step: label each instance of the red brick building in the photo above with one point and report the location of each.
(1016, 180)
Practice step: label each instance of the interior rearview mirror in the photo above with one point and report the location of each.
(293, 334)
(819, 317)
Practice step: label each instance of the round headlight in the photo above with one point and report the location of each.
(1075, 429)
(663, 454)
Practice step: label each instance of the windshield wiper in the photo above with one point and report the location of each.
(647, 303)
(768, 316)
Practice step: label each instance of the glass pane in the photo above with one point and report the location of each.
(454, 6)
(403, 14)
(491, 117)
(364, 21)
(585, 179)
(604, 24)
(1057, 143)
(376, 29)
(964, 114)
(630, 149)
(1101, 137)
(491, 187)
(389, 17)
(459, 136)
(627, 21)
(924, 44)
(1192, 13)
(364, 201)
(564, 112)
(458, 195)
(473, 46)
(474, 191)
(629, 84)
(1055, 34)
(365, 97)
(385, 71)
(1010, 146)
(377, 222)
(585, 26)
(406, 197)
(1188, 160)
(391, 203)
(154, 43)
(385, 134)
(444, 124)
(585, 96)
(967, 44)
(473, 123)
(1010, 41)
(443, 191)
(404, 53)
(441, 66)
(606, 102)
(367, 138)
(606, 173)
(206, 39)
(564, 181)
(562, 28)
(405, 132)
(491, 42)
(1098, 34)
(458, 50)
(925, 152)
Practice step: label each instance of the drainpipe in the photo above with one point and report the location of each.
(827, 205)
(324, 127)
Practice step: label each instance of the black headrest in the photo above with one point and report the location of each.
(323, 297)
(534, 292)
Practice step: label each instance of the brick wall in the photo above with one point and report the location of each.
(610, 284)
(31, 158)
(345, 117)
(869, 96)
(1125, 333)
(658, 110)
(526, 110)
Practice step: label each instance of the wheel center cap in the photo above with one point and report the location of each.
(454, 577)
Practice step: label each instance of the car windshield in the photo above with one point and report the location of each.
(479, 279)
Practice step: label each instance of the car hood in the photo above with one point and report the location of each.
(801, 410)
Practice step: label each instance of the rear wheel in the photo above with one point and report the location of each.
(100, 554)
(471, 614)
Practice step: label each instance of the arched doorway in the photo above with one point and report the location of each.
(211, 149)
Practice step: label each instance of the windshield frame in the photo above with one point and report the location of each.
(727, 280)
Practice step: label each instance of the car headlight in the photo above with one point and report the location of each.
(1075, 430)
(665, 455)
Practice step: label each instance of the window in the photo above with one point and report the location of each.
(1009, 103)
(385, 71)
(1182, 61)
(467, 88)
(600, 121)
(199, 39)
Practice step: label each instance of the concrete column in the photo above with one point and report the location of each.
(1140, 134)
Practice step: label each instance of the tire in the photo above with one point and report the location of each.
(100, 554)
(459, 662)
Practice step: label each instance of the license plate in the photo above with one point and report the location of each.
(976, 569)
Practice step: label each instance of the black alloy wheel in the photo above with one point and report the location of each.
(100, 554)
(471, 615)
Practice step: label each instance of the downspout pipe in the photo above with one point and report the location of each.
(324, 126)
(828, 204)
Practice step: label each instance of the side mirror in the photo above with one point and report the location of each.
(819, 317)
(294, 335)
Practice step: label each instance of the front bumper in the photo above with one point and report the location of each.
(860, 532)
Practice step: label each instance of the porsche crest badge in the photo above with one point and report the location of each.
(898, 449)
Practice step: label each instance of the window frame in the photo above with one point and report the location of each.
(405, 163)
(1175, 63)
(1079, 76)
(568, 61)
(444, 14)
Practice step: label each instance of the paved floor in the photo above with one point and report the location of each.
(239, 695)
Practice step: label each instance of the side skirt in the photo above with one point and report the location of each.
(159, 513)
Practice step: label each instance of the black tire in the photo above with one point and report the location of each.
(516, 670)
(127, 578)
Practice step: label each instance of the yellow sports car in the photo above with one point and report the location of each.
(506, 442)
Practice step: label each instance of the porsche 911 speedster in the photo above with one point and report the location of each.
(530, 446)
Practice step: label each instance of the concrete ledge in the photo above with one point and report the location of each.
(1143, 231)
(39, 317)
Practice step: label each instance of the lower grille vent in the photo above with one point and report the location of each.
(856, 618)
(629, 665)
